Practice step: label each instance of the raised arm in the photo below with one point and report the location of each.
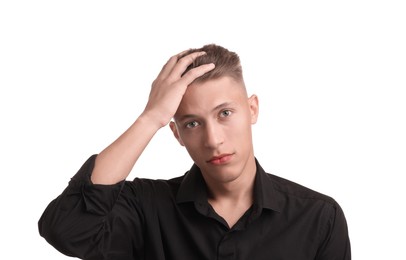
(116, 161)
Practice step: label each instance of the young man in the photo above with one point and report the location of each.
(225, 207)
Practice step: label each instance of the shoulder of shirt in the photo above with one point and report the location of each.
(147, 185)
(172, 181)
(293, 189)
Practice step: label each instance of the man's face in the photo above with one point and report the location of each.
(213, 122)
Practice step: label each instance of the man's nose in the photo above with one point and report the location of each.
(213, 135)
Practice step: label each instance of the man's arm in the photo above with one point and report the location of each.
(80, 221)
(335, 244)
(116, 161)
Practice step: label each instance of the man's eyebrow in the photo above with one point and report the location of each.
(218, 107)
(184, 117)
(222, 105)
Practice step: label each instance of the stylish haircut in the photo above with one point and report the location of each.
(227, 63)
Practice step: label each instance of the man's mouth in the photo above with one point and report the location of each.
(220, 159)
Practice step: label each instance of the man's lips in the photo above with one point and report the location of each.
(220, 159)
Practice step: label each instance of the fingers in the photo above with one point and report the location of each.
(175, 66)
(184, 62)
(167, 68)
(194, 73)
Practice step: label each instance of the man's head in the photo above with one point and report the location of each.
(227, 63)
(214, 118)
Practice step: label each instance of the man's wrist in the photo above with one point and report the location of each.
(150, 120)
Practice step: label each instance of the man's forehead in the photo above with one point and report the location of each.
(225, 86)
(222, 88)
(190, 111)
(200, 102)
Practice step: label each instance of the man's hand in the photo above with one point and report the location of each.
(170, 86)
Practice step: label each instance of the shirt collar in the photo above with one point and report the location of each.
(265, 195)
(193, 189)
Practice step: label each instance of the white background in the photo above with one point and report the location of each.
(330, 76)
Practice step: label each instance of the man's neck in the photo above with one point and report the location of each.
(232, 199)
(238, 190)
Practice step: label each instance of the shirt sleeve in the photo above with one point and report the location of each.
(335, 242)
(91, 221)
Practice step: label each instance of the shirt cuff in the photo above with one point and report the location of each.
(98, 199)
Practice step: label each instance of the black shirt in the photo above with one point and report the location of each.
(172, 219)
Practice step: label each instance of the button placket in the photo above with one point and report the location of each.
(227, 246)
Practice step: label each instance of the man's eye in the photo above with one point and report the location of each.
(192, 124)
(225, 113)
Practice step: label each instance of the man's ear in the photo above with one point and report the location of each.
(254, 108)
(175, 132)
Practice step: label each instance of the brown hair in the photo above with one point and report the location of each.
(227, 63)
